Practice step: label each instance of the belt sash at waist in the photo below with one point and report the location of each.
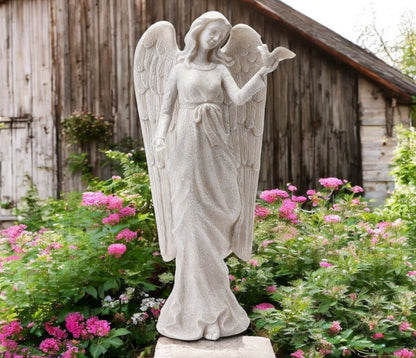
(210, 116)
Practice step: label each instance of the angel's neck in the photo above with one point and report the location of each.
(201, 58)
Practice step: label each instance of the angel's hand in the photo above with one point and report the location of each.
(159, 143)
(271, 59)
(267, 69)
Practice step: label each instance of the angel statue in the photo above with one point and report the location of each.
(201, 112)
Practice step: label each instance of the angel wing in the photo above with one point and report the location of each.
(156, 53)
(247, 122)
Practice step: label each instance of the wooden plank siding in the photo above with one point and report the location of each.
(311, 118)
(28, 151)
(16, 161)
(335, 45)
(377, 143)
(57, 56)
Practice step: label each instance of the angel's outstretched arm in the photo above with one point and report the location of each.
(241, 95)
(169, 98)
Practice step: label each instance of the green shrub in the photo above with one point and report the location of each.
(328, 277)
(402, 202)
(96, 255)
(83, 127)
(332, 279)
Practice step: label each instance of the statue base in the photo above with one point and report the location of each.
(229, 347)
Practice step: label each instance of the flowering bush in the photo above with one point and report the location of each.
(343, 275)
(84, 126)
(402, 203)
(74, 283)
(329, 277)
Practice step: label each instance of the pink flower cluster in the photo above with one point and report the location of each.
(126, 234)
(267, 243)
(114, 202)
(112, 219)
(287, 210)
(331, 183)
(253, 262)
(299, 199)
(127, 211)
(79, 328)
(13, 258)
(9, 333)
(298, 354)
(52, 246)
(261, 212)
(50, 346)
(93, 327)
(404, 326)
(325, 264)
(326, 348)
(14, 232)
(316, 197)
(97, 327)
(264, 306)
(72, 351)
(97, 198)
(378, 335)
(74, 323)
(55, 331)
(12, 235)
(271, 289)
(403, 353)
(357, 189)
(117, 250)
(272, 195)
(110, 202)
(332, 218)
(335, 328)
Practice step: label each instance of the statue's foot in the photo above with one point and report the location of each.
(212, 332)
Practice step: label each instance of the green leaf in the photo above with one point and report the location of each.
(101, 291)
(113, 341)
(91, 291)
(324, 307)
(97, 350)
(118, 332)
(110, 283)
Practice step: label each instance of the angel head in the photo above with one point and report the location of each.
(210, 31)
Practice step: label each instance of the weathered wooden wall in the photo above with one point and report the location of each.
(27, 125)
(378, 140)
(61, 55)
(311, 122)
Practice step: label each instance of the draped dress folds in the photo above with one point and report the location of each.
(205, 204)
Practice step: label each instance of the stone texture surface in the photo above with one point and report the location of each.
(234, 347)
(202, 119)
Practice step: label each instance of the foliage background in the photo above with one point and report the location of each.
(328, 277)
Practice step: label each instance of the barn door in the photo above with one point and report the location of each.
(16, 165)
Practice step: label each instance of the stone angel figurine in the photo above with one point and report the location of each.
(201, 112)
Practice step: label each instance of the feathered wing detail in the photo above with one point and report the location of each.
(156, 54)
(246, 124)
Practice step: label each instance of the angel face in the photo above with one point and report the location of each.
(212, 35)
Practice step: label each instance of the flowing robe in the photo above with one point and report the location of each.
(205, 200)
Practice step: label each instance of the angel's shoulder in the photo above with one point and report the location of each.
(223, 69)
(179, 68)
